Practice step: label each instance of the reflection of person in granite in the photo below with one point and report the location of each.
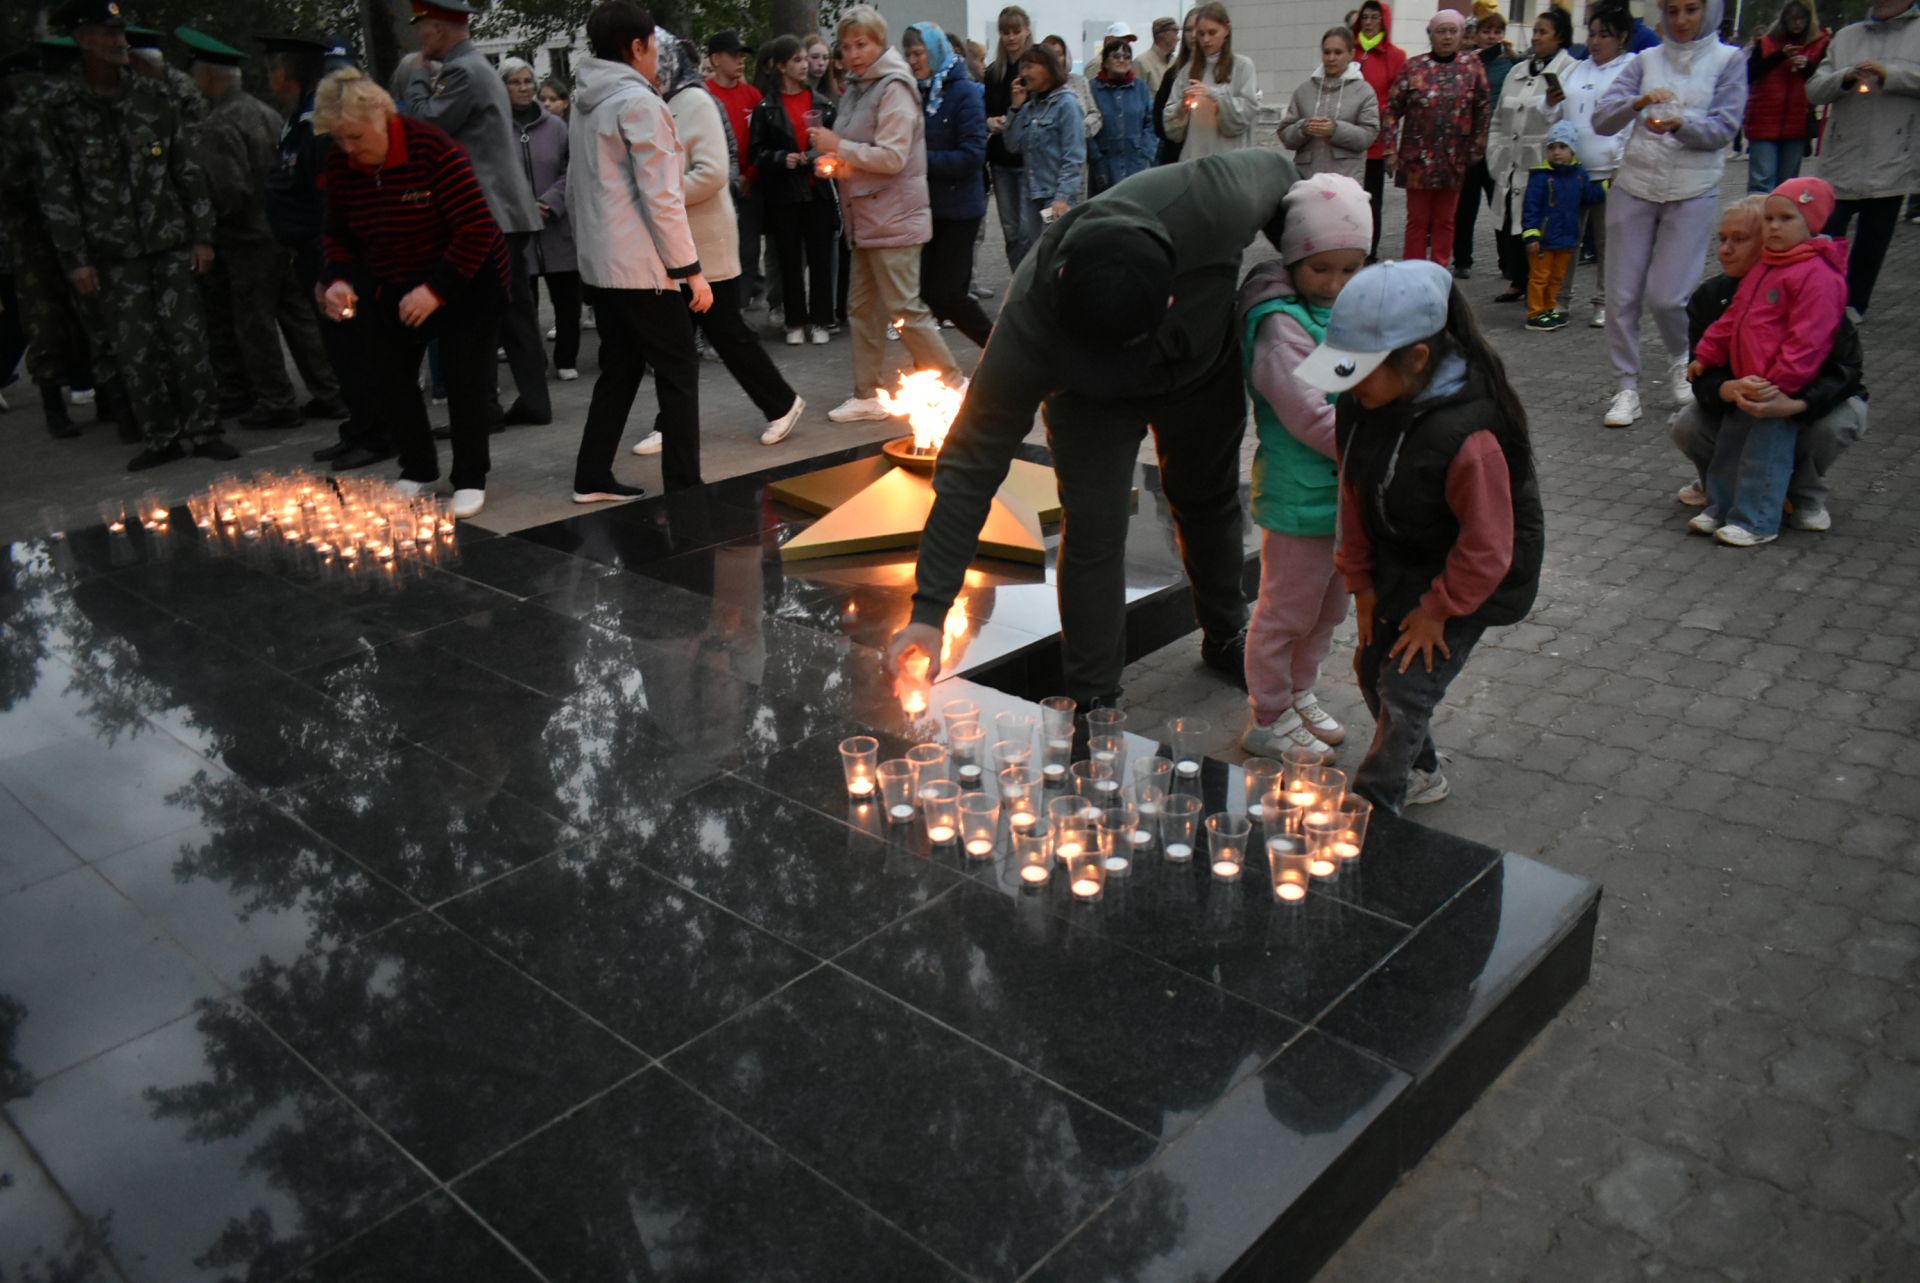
(1120, 321)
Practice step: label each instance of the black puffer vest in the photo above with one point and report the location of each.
(1397, 466)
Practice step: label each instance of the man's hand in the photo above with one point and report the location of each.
(1420, 634)
(909, 645)
(1364, 605)
(418, 305)
(701, 293)
(203, 259)
(86, 281)
(340, 300)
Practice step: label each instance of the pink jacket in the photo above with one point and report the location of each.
(1783, 318)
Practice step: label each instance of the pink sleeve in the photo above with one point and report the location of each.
(1817, 313)
(1480, 493)
(1279, 346)
(1353, 554)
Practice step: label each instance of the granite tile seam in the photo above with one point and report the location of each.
(80, 1218)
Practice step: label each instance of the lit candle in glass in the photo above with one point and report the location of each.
(1258, 775)
(896, 779)
(859, 758)
(1033, 849)
(979, 823)
(940, 805)
(1227, 834)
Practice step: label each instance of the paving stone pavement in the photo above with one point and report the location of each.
(1726, 740)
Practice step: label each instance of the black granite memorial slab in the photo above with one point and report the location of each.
(509, 919)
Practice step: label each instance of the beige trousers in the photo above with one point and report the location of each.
(885, 288)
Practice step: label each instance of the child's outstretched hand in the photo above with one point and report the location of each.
(1420, 634)
(1695, 369)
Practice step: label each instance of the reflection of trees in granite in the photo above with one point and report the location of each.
(81, 1257)
(25, 575)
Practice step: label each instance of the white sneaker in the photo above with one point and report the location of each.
(1693, 494)
(649, 444)
(1287, 731)
(1810, 516)
(553, 334)
(857, 409)
(819, 336)
(468, 503)
(1682, 389)
(1319, 720)
(1703, 523)
(413, 489)
(1741, 537)
(80, 396)
(796, 337)
(500, 354)
(567, 374)
(1424, 787)
(893, 334)
(777, 430)
(1624, 410)
(1599, 321)
(438, 403)
(586, 320)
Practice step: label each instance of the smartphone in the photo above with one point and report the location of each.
(1553, 84)
(1047, 215)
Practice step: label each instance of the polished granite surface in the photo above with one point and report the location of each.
(511, 922)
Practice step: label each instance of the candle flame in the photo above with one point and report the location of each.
(927, 404)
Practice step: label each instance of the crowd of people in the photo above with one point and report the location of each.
(182, 236)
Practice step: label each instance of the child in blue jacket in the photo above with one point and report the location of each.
(1556, 193)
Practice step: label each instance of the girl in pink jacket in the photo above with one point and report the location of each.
(1775, 335)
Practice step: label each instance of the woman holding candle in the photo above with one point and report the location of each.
(413, 255)
(802, 213)
(1334, 117)
(1216, 92)
(1779, 64)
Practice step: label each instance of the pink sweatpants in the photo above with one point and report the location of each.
(1302, 600)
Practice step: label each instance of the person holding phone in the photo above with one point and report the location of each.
(1517, 141)
(1047, 128)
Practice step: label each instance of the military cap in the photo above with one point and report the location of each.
(206, 49)
(92, 13)
(139, 37)
(446, 10)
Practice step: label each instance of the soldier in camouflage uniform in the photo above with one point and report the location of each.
(128, 213)
(143, 44)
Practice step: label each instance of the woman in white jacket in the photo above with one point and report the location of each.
(1334, 116)
(636, 251)
(1215, 94)
(706, 189)
(1517, 140)
(1608, 33)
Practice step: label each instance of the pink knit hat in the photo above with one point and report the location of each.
(1327, 211)
(1811, 197)
(1447, 18)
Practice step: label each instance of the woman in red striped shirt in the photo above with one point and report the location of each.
(413, 255)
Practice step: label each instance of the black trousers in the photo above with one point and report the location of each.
(1376, 185)
(346, 350)
(13, 339)
(465, 329)
(520, 333)
(1466, 218)
(1512, 246)
(638, 327)
(1867, 251)
(803, 237)
(565, 289)
(1197, 435)
(946, 269)
(739, 348)
(747, 219)
(1402, 705)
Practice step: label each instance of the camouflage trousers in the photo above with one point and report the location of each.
(158, 332)
(59, 349)
(252, 299)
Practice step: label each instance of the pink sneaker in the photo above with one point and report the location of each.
(1318, 720)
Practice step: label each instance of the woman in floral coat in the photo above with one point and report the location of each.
(1434, 122)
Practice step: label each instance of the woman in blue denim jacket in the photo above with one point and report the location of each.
(1126, 143)
(1048, 128)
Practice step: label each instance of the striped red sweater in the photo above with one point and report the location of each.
(421, 218)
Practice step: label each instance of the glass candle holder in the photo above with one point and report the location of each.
(1188, 737)
(1017, 752)
(1013, 728)
(1090, 780)
(1111, 749)
(1319, 831)
(940, 807)
(1157, 771)
(1033, 856)
(1147, 802)
(967, 747)
(1073, 839)
(1056, 759)
(1105, 721)
(1227, 833)
(1283, 817)
(1019, 798)
(979, 824)
(956, 711)
(1294, 759)
(1179, 826)
(1287, 866)
(929, 766)
(1113, 828)
(1259, 775)
(1328, 784)
(859, 758)
(898, 780)
(1355, 814)
(1086, 874)
(1056, 738)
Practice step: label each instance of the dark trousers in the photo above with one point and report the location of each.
(803, 237)
(1867, 251)
(1197, 434)
(638, 327)
(13, 339)
(519, 329)
(465, 330)
(565, 289)
(946, 268)
(345, 347)
(1376, 185)
(747, 219)
(1512, 247)
(739, 348)
(1466, 219)
(1402, 705)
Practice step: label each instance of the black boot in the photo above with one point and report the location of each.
(154, 456)
(55, 405)
(121, 410)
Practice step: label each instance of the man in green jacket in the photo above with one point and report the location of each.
(1119, 321)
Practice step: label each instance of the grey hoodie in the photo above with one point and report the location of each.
(1351, 105)
(624, 182)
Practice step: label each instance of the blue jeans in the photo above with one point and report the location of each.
(1752, 463)
(1014, 216)
(1402, 705)
(1771, 163)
